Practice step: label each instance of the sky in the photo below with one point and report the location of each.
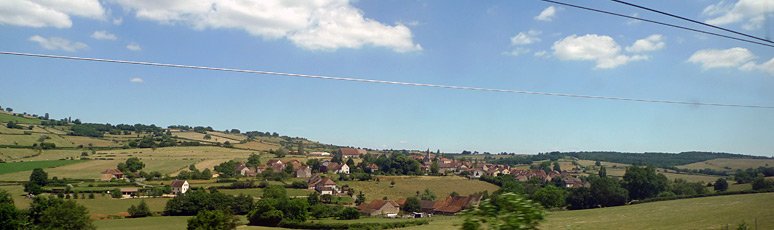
(520, 45)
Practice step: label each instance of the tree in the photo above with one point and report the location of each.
(227, 169)
(607, 192)
(597, 163)
(434, 168)
(361, 198)
(557, 167)
(427, 195)
(314, 164)
(274, 192)
(350, 162)
(216, 219)
(506, 211)
(10, 217)
(55, 213)
(412, 205)
(602, 172)
(140, 210)
(314, 199)
(550, 196)
(133, 164)
(207, 136)
(8, 109)
(761, 182)
(580, 198)
(265, 213)
(643, 182)
(254, 160)
(349, 213)
(281, 152)
(38, 179)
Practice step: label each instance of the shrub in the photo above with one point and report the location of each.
(349, 213)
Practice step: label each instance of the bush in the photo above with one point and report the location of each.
(349, 213)
(140, 210)
(212, 220)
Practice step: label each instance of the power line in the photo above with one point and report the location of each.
(691, 20)
(362, 80)
(660, 23)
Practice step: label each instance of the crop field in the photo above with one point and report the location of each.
(258, 145)
(28, 140)
(216, 137)
(607, 164)
(159, 222)
(729, 164)
(89, 141)
(406, 186)
(21, 167)
(91, 169)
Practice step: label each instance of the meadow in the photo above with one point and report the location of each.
(728, 164)
(14, 167)
(6, 117)
(406, 186)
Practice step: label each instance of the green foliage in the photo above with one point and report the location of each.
(506, 211)
(434, 168)
(140, 210)
(212, 220)
(550, 196)
(721, 185)
(55, 213)
(412, 205)
(349, 213)
(191, 202)
(320, 211)
(10, 217)
(427, 195)
(275, 207)
(602, 171)
(227, 169)
(761, 183)
(274, 192)
(254, 160)
(133, 164)
(361, 198)
(681, 187)
(38, 179)
(644, 182)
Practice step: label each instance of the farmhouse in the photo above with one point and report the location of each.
(312, 181)
(304, 172)
(179, 186)
(326, 186)
(129, 192)
(276, 165)
(455, 204)
(243, 170)
(352, 152)
(379, 208)
(110, 174)
(322, 154)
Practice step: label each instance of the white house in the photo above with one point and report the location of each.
(344, 169)
(179, 186)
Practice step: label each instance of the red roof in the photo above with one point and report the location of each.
(112, 172)
(177, 183)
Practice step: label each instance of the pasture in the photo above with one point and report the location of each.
(406, 186)
(6, 117)
(21, 167)
(729, 164)
(157, 222)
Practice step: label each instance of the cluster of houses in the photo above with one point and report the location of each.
(449, 206)
(477, 170)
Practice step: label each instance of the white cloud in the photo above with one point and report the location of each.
(728, 58)
(591, 47)
(751, 12)
(103, 35)
(118, 21)
(648, 44)
(633, 21)
(547, 14)
(57, 43)
(48, 13)
(136, 80)
(314, 25)
(134, 46)
(526, 38)
(737, 57)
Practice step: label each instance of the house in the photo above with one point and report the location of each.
(304, 172)
(243, 170)
(179, 186)
(476, 173)
(326, 186)
(129, 192)
(373, 167)
(276, 165)
(295, 164)
(573, 182)
(110, 174)
(379, 208)
(322, 154)
(352, 152)
(454, 204)
(343, 169)
(426, 206)
(312, 181)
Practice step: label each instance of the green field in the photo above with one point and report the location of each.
(727, 164)
(697, 213)
(406, 186)
(160, 222)
(18, 167)
(257, 192)
(101, 206)
(6, 117)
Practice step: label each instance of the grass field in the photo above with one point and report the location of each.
(160, 222)
(6, 117)
(17, 167)
(110, 206)
(728, 164)
(85, 141)
(91, 169)
(406, 186)
(257, 192)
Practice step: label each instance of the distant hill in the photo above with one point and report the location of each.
(663, 160)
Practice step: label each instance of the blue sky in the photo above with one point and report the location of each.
(525, 45)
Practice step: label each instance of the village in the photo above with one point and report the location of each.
(323, 179)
